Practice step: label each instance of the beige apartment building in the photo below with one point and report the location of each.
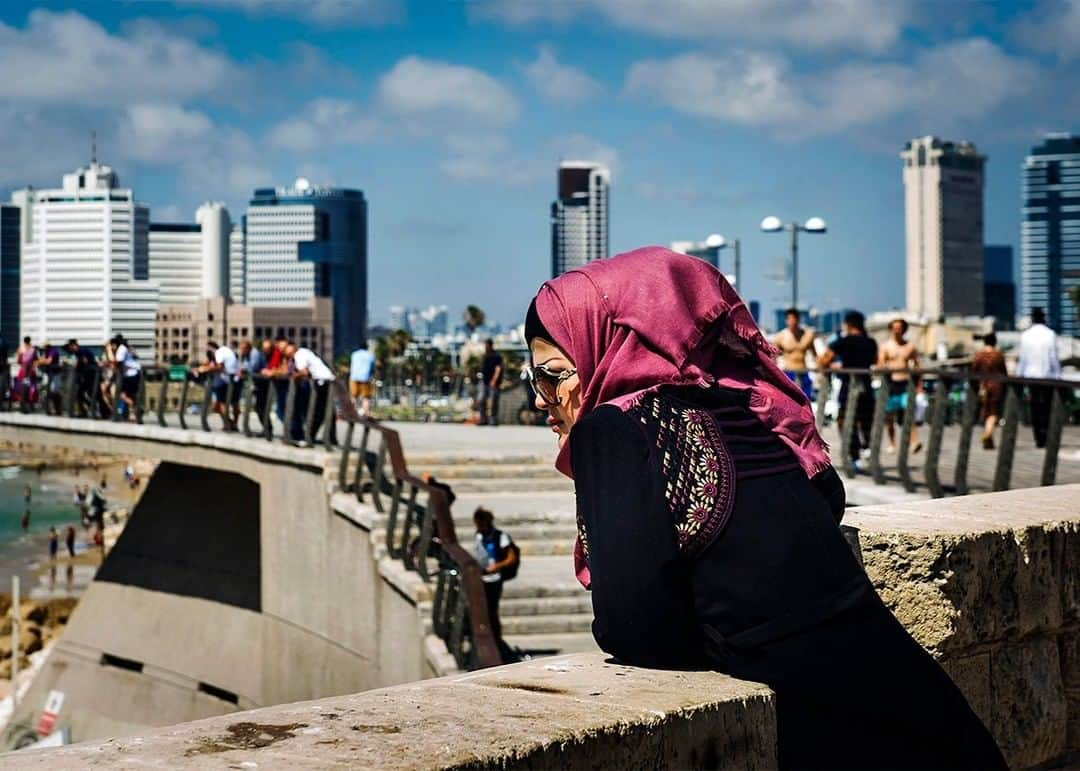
(943, 208)
(181, 332)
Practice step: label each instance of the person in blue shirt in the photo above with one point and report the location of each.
(361, 389)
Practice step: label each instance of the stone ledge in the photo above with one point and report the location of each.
(570, 712)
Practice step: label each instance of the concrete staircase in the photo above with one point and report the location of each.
(544, 610)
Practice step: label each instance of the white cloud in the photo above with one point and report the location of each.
(429, 95)
(585, 148)
(558, 82)
(323, 122)
(65, 58)
(1054, 25)
(502, 170)
(489, 159)
(871, 25)
(367, 13)
(163, 132)
(947, 86)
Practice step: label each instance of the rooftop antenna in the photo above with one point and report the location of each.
(93, 146)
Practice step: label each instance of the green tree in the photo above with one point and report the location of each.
(473, 317)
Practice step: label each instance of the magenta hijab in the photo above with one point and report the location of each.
(653, 317)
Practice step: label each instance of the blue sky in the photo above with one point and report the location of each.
(452, 117)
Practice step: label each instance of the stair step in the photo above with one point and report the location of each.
(561, 623)
(546, 547)
(545, 606)
(419, 461)
(552, 644)
(488, 471)
(516, 484)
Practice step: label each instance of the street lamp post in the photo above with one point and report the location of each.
(812, 225)
(717, 242)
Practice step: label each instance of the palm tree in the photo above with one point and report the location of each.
(473, 318)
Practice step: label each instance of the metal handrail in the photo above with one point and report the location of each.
(937, 416)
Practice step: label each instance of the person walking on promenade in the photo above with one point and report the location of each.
(361, 389)
(794, 343)
(54, 543)
(69, 540)
(855, 350)
(496, 553)
(989, 361)
(491, 373)
(1039, 359)
(898, 354)
(708, 509)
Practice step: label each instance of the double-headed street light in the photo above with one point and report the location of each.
(717, 242)
(813, 225)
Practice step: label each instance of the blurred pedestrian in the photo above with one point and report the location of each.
(69, 540)
(990, 361)
(491, 374)
(314, 379)
(54, 543)
(898, 355)
(795, 343)
(361, 365)
(130, 370)
(49, 364)
(1039, 359)
(222, 366)
(855, 350)
(25, 388)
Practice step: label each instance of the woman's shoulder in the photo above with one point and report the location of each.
(605, 422)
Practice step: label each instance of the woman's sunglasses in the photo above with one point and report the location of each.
(546, 383)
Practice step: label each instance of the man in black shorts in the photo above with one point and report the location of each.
(855, 350)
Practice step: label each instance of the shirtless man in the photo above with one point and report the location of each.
(793, 342)
(900, 356)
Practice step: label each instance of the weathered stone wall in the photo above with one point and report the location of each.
(990, 585)
(569, 712)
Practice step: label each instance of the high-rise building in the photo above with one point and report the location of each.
(399, 317)
(1050, 236)
(943, 207)
(85, 261)
(190, 261)
(10, 260)
(237, 263)
(579, 216)
(307, 241)
(999, 289)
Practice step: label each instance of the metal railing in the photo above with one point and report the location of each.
(941, 383)
(371, 464)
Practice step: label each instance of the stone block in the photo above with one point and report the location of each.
(1069, 652)
(972, 676)
(1029, 711)
(957, 592)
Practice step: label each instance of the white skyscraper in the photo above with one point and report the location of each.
(275, 274)
(85, 262)
(579, 216)
(237, 265)
(192, 261)
(943, 208)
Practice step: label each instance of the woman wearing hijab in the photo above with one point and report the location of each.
(708, 511)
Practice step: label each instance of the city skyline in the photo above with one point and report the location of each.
(451, 121)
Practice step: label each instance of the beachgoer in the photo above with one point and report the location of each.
(27, 494)
(25, 521)
(855, 350)
(795, 343)
(1039, 359)
(69, 540)
(491, 374)
(899, 355)
(361, 389)
(708, 512)
(990, 361)
(25, 387)
(54, 543)
(495, 553)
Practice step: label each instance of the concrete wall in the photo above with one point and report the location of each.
(327, 618)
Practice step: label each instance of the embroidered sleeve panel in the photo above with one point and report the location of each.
(697, 468)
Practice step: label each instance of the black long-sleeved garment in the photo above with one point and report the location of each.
(773, 595)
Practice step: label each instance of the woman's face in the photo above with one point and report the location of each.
(561, 416)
